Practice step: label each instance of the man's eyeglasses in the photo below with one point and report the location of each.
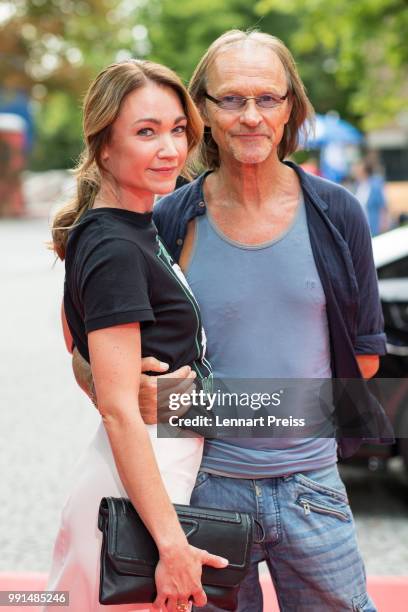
(237, 102)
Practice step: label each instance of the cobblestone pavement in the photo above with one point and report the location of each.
(45, 422)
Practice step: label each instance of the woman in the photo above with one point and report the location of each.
(124, 299)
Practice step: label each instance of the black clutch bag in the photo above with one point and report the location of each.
(129, 554)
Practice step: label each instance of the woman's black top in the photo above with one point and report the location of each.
(118, 271)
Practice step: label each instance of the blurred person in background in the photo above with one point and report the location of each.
(369, 191)
(311, 165)
(12, 163)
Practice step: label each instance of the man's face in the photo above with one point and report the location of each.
(249, 135)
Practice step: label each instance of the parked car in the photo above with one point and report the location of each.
(391, 260)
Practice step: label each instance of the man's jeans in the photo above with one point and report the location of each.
(309, 543)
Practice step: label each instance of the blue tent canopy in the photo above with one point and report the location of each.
(331, 129)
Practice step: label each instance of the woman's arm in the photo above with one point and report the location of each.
(115, 355)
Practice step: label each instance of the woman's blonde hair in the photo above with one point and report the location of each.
(101, 107)
(302, 109)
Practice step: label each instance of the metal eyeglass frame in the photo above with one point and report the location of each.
(244, 99)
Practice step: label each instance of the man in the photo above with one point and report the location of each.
(278, 286)
(281, 265)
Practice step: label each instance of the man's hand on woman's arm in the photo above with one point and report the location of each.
(154, 391)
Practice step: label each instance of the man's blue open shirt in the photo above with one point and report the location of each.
(341, 245)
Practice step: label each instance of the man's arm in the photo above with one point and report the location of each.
(83, 375)
(69, 342)
(370, 340)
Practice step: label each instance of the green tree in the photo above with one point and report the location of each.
(365, 44)
(51, 49)
(351, 55)
(179, 33)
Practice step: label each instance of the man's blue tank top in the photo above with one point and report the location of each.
(264, 312)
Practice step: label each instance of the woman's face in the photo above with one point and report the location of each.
(148, 145)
